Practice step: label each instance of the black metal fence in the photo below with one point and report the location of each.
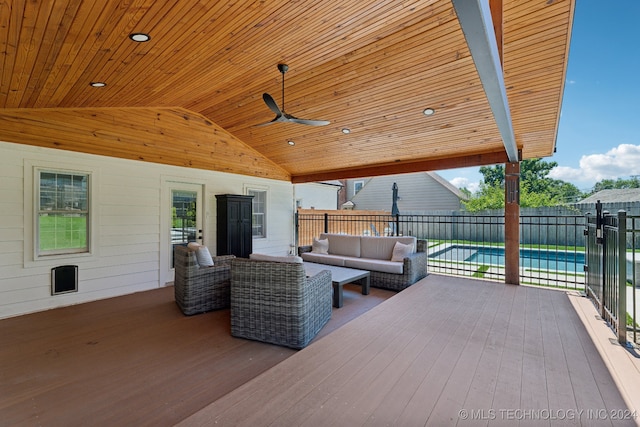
(613, 269)
(633, 277)
(552, 251)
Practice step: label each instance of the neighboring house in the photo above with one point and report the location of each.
(318, 195)
(614, 196)
(627, 199)
(123, 210)
(421, 191)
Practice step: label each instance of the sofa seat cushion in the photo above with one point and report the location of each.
(328, 259)
(374, 265)
(374, 247)
(343, 244)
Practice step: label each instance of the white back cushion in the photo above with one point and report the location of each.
(343, 244)
(382, 247)
(401, 251)
(204, 257)
(320, 246)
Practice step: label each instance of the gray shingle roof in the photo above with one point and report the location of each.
(614, 196)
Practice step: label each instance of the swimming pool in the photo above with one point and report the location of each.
(542, 259)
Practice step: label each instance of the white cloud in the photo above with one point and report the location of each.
(619, 162)
(461, 182)
(566, 173)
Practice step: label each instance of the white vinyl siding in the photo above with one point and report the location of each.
(127, 232)
(314, 195)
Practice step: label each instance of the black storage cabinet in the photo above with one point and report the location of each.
(234, 228)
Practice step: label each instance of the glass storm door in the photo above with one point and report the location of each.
(186, 215)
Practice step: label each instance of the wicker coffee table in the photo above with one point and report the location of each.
(340, 276)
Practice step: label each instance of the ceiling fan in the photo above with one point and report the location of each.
(281, 116)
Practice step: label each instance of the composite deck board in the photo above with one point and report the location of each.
(422, 404)
(509, 371)
(442, 346)
(462, 374)
(484, 382)
(405, 385)
(595, 393)
(560, 393)
(534, 382)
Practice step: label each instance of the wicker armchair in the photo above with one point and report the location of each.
(200, 289)
(275, 302)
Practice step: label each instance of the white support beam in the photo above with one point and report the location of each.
(475, 19)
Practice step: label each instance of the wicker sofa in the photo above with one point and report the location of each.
(200, 289)
(275, 302)
(374, 254)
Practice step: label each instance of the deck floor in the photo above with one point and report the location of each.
(134, 360)
(446, 351)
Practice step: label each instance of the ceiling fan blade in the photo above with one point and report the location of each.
(264, 124)
(271, 104)
(308, 122)
(278, 118)
(281, 116)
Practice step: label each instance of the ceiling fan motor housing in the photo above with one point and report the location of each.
(283, 68)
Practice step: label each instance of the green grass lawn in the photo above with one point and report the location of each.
(62, 232)
(435, 242)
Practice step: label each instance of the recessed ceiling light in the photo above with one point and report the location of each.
(346, 131)
(140, 37)
(98, 84)
(428, 111)
(291, 143)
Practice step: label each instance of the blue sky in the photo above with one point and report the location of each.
(598, 136)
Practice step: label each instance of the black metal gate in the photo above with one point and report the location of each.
(606, 267)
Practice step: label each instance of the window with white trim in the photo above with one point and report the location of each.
(62, 209)
(259, 212)
(357, 186)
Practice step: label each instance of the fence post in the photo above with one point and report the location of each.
(397, 231)
(326, 222)
(296, 230)
(622, 277)
(601, 240)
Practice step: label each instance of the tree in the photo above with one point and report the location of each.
(532, 171)
(488, 197)
(536, 188)
(466, 192)
(493, 175)
(620, 183)
(565, 191)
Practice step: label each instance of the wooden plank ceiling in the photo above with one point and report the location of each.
(192, 95)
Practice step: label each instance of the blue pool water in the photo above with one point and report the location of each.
(529, 258)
